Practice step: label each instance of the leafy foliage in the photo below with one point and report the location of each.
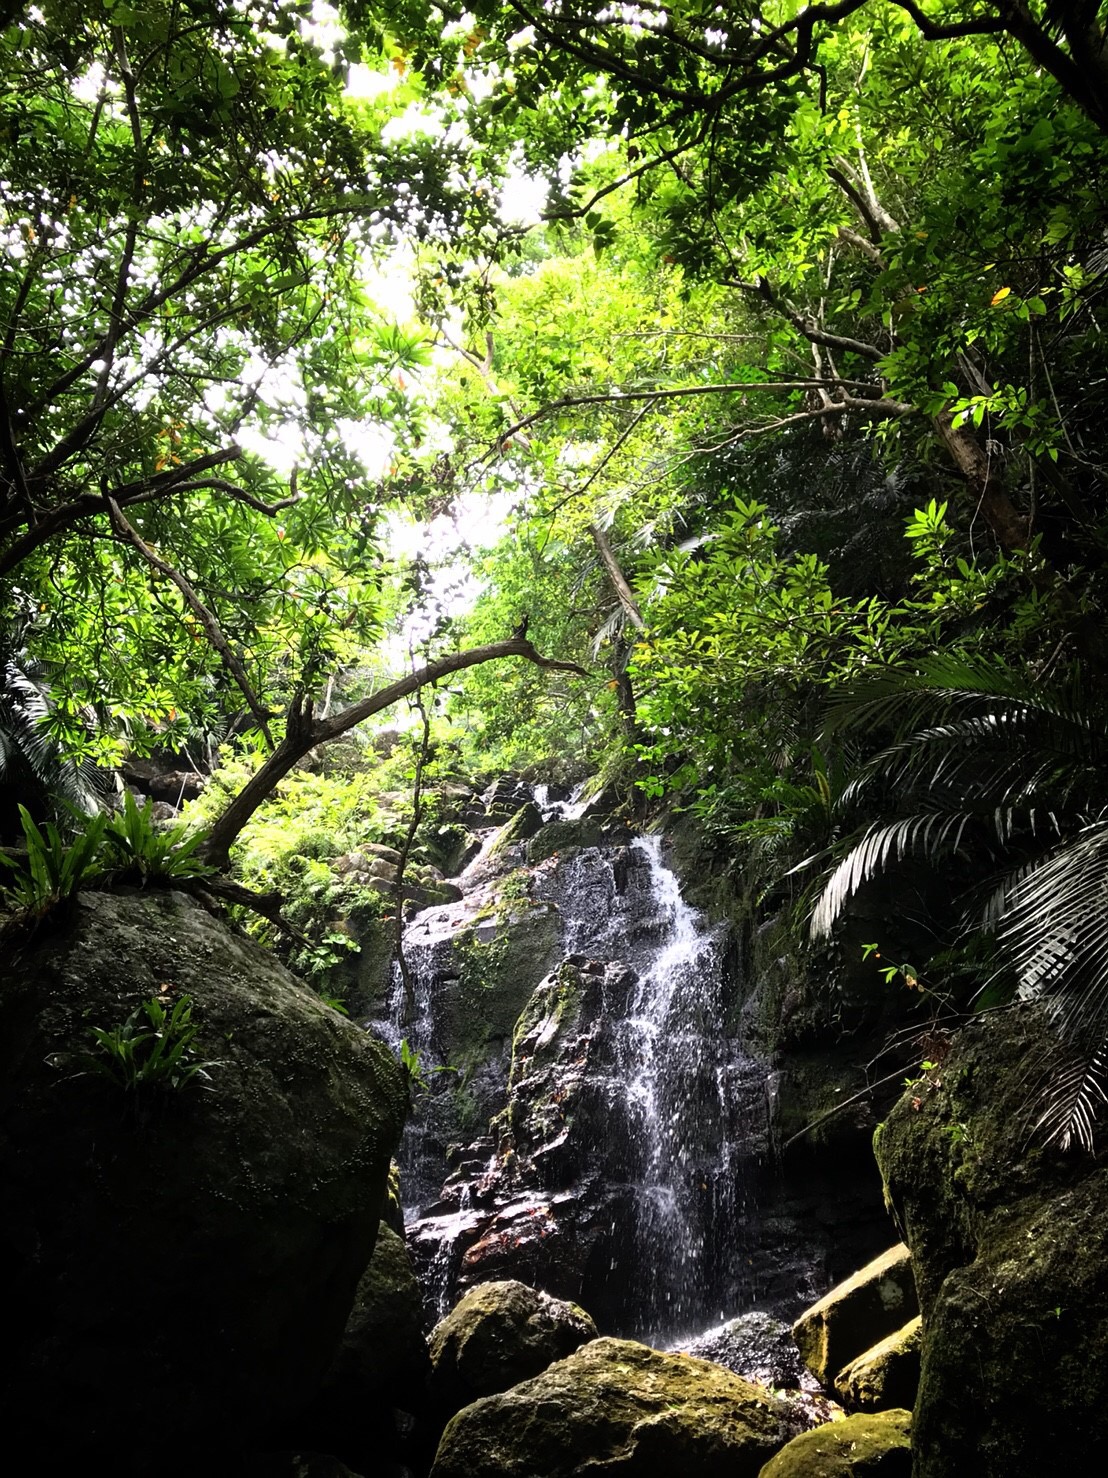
(999, 775)
(54, 868)
(147, 853)
(152, 1053)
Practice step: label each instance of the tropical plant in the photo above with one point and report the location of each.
(1002, 775)
(54, 868)
(139, 849)
(152, 1051)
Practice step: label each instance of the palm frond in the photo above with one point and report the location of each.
(987, 761)
(1074, 1094)
(929, 835)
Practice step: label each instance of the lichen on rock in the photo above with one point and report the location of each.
(619, 1407)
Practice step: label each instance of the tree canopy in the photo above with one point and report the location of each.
(800, 280)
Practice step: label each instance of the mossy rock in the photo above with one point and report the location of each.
(872, 1304)
(885, 1376)
(498, 1335)
(200, 1245)
(381, 1365)
(868, 1445)
(1007, 1240)
(496, 976)
(619, 1407)
(523, 825)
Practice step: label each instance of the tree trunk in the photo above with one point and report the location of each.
(1011, 527)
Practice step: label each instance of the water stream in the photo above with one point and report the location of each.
(667, 1136)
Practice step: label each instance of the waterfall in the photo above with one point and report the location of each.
(632, 1200)
(675, 1056)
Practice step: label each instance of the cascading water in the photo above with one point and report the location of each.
(649, 1185)
(675, 1059)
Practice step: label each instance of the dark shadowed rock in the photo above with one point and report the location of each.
(1007, 1240)
(617, 1407)
(376, 1387)
(499, 1335)
(196, 1253)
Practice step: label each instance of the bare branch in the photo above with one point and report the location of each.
(621, 397)
(805, 325)
(871, 251)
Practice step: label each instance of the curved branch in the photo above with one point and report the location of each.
(303, 732)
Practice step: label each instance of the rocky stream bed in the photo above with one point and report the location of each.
(609, 1264)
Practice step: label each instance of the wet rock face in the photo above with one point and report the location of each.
(205, 1249)
(759, 1348)
(615, 1406)
(1007, 1240)
(628, 1162)
(546, 1199)
(499, 1335)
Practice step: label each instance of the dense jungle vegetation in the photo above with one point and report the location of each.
(705, 396)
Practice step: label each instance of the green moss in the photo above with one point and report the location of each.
(874, 1444)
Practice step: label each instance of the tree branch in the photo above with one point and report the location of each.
(804, 325)
(730, 387)
(303, 732)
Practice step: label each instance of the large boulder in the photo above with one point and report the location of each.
(498, 1335)
(617, 1407)
(885, 1376)
(183, 1256)
(1007, 1239)
(870, 1445)
(872, 1304)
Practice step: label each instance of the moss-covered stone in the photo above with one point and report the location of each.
(497, 973)
(885, 1376)
(1008, 1244)
(869, 1445)
(498, 1335)
(523, 825)
(566, 836)
(383, 1350)
(857, 1314)
(382, 1365)
(617, 1407)
(203, 1248)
